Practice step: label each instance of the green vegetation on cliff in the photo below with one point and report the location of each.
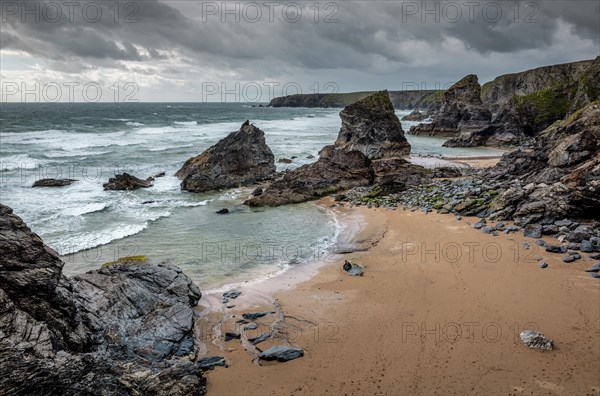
(544, 107)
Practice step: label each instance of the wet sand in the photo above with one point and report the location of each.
(438, 311)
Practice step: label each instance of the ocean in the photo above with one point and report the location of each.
(88, 226)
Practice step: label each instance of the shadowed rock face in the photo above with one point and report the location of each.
(335, 170)
(240, 159)
(462, 111)
(564, 168)
(119, 330)
(372, 127)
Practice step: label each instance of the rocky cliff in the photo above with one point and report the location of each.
(409, 99)
(240, 159)
(372, 127)
(524, 104)
(124, 329)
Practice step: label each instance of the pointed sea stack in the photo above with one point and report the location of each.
(462, 111)
(240, 159)
(372, 127)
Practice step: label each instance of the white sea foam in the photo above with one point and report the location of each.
(88, 240)
(85, 209)
(135, 124)
(186, 123)
(20, 161)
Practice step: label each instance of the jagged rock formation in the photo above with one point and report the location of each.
(123, 329)
(462, 111)
(563, 172)
(127, 182)
(335, 170)
(372, 127)
(369, 149)
(523, 104)
(240, 159)
(405, 99)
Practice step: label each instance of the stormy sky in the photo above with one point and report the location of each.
(251, 51)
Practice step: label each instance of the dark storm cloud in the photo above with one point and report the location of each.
(389, 37)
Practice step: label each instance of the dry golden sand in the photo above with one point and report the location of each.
(438, 311)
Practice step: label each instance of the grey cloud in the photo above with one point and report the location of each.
(171, 38)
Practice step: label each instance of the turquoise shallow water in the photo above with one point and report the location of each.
(92, 142)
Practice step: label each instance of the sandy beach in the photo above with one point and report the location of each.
(438, 311)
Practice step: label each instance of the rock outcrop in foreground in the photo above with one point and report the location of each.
(124, 329)
(372, 127)
(369, 149)
(240, 159)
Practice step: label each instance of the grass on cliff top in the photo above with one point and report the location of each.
(127, 260)
(547, 105)
(377, 100)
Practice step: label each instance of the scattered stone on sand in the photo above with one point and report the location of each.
(543, 265)
(251, 326)
(536, 340)
(232, 294)
(281, 353)
(260, 338)
(256, 315)
(533, 231)
(480, 224)
(210, 362)
(594, 268)
(232, 335)
(556, 249)
(353, 269)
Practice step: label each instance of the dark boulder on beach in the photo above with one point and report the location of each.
(240, 159)
(281, 353)
(127, 182)
(372, 127)
(126, 328)
(53, 182)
